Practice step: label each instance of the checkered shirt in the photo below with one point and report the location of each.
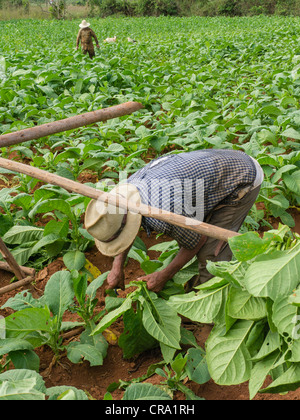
(191, 184)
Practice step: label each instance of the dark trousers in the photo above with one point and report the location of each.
(228, 217)
(89, 51)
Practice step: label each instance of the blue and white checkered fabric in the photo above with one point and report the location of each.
(191, 184)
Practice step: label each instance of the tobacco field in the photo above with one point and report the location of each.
(224, 83)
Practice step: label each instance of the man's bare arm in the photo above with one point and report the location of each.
(116, 277)
(156, 281)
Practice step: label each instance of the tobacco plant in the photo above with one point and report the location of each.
(253, 303)
(38, 322)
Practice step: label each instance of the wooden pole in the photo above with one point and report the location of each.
(16, 285)
(81, 120)
(26, 270)
(143, 209)
(15, 268)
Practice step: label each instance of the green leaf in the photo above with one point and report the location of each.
(108, 319)
(196, 366)
(60, 229)
(249, 245)
(46, 240)
(20, 390)
(292, 181)
(78, 351)
(13, 344)
(25, 359)
(96, 284)
(54, 392)
(74, 260)
(292, 133)
(162, 322)
(260, 372)
(242, 305)
(136, 392)
(23, 234)
(90, 348)
(59, 293)
(288, 381)
(150, 266)
(283, 316)
(274, 275)
(50, 205)
(135, 339)
(21, 323)
(203, 306)
(21, 301)
(228, 359)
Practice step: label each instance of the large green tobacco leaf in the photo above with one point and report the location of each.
(59, 293)
(23, 234)
(242, 305)
(91, 348)
(283, 316)
(13, 344)
(260, 371)
(274, 275)
(52, 205)
(249, 245)
(25, 359)
(135, 339)
(292, 181)
(22, 300)
(203, 306)
(145, 391)
(196, 366)
(288, 381)
(228, 359)
(74, 260)
(24, 389)
(55, 393)
(161, 322)
(79, 351)
(22, 323)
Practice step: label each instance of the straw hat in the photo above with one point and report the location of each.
(113, 228)
(84, 24)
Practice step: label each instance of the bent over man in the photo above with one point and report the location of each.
(215, 186)
(85, 37)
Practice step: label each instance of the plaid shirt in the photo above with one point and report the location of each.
(192, 184)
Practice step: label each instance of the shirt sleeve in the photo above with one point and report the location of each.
(186, 238)
(94, 36)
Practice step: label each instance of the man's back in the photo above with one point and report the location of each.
(192, 184)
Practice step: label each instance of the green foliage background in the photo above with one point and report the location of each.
(170, 7)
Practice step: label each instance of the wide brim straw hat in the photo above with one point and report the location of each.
(113, 228)
(84, 24)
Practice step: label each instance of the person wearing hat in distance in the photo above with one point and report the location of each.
(85, 36)
(215, 186)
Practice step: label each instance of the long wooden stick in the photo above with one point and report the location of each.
(26, 270)
(16, 285)
(69, 123)
(147, 211)
(15, 268)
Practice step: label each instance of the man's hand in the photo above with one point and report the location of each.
(98, 46)
(116, 279)
(155, 281)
